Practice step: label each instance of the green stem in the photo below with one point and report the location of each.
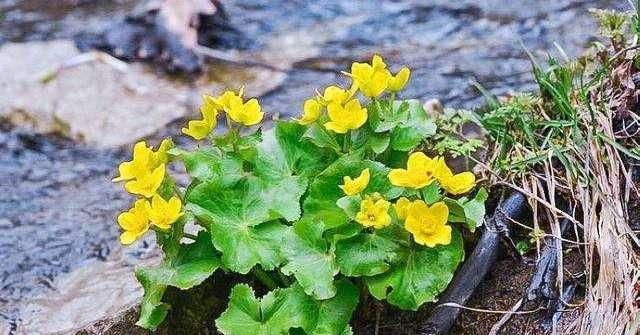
(178, 192)
(233, 131)
(393, 98)
(346, 139)
(264, 278)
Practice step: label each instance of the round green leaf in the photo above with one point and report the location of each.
(408, 134)
(419, 274)
(309, 259)
(238, 218)
(365, 254)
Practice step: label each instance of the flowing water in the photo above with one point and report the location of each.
(57, 205)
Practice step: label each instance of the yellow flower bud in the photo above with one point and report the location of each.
(428, 224)
(161, 156)
(374, 213)
(355, 186)
(459, 183)
(401, 207)
(347, 117)
(310, 112)
(398, 82)
(199, 129)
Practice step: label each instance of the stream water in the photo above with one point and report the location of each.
(57, 205)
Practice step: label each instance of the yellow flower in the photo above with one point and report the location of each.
(161, 156)
(311, 112)
(459, 183)
(164, 213)
(138, 166)
(135, 221)
(421, 171)
(144, 159)
(147, 184)
(199, 129)
(372, 79)
(398, 82)
(247, 113)
(401, 207)
(335, 94)
(344, 118)
(428, 224)
(355, 186)
(374, 212)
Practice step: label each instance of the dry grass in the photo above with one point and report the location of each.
(572, 147)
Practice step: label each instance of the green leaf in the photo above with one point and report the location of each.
(474, 209)
(152, 310)
(408, 134)
(236, 218)
(399, 113)
(192, 264)
(273, 314)
(247, 144)
(206, 164)
(350, 205)
(309, 259)
(333, 314)
(468, 211)
(365, 138)
(431, 193)
(419, 274)
(365, 255)
(324, 192)
(288, 309)
(319, 136)
(284, 152)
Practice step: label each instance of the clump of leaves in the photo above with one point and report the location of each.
(311, 208)
(451, 139)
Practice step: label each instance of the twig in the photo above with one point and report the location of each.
(495, 329)
(491, 311)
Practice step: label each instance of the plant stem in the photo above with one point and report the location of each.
(234, 132)
(178, 192)
(264, 278)
(346, 142)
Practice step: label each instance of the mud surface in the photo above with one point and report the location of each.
(57, 205)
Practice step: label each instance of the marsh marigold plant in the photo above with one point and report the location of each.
(339, 197)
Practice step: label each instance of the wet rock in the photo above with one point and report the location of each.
(93, 292)
(92, 102)
(97, 103)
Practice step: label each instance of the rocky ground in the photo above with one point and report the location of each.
(58, 206)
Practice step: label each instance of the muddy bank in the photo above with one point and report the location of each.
(58, 205)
